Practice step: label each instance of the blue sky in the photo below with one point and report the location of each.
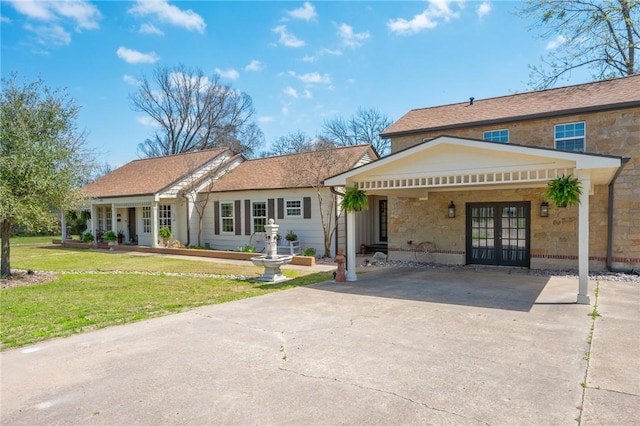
(301, 62)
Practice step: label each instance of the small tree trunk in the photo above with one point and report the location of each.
(5, 234)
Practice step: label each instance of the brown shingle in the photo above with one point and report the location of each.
(289, 171)
(150, 175)
(623, 91)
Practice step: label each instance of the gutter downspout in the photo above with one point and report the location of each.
(610, 268)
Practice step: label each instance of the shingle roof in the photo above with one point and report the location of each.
(600, 95)
(150, 175)
(288, 171)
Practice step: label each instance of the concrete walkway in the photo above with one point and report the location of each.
(397, 347)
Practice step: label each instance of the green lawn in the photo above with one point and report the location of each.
(89, 295)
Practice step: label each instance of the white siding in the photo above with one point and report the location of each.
(309, 231)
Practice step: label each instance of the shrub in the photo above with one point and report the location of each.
(291, 236)
(247, 249)
(309, 251)
(87, 237)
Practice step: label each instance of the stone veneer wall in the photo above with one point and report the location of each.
(553, 239)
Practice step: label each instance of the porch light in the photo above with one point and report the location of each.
(452, 210)
(544, 209)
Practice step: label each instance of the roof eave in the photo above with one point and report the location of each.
(572, 111)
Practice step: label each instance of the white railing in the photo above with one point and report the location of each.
(465, 179)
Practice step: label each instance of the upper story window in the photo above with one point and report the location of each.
(293, 208)
(226, 217)
(496, 135)
(570, 136)
(259, 214)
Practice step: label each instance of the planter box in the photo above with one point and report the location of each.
(220, 254)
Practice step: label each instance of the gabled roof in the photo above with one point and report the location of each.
(597, 96)
(150, 175)
(291, 171)
(452, 155)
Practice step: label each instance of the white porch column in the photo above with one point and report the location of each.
(351, 246)
(63, 225)
(93, 223)
(154, 225)
(583, 240)
(114, 220)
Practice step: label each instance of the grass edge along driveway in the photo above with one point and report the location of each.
(83, 297)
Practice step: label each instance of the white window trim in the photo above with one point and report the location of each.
(266, 219)
(497, 130)
(146, 221)
(165, 221)
(286, 210)
(232, 218)
(555, 140)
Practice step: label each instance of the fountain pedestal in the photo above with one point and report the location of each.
(272, 261)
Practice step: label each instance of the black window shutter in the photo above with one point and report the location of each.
(270, 209)
(216, 217)
(280, 208)
(306, 207)
(247, 217)
(237, 217)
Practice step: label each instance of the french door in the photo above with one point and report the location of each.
(498, 233)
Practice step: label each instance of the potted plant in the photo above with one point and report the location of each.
(120, 237)
(291, 236)
(165, 233)
(354, 199)
(564, 191)
(111, 238)
(88, 238)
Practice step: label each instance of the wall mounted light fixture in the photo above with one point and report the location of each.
(544, 209)
(452, 210)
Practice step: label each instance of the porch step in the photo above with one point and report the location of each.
(381, 247)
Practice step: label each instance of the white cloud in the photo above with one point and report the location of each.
(312, 77)
(556, 42)
(351, 81)
(306, 12)
(290, 91)
(265, 119)
(309, 58)
(150, 29)
(5, 20)
(484, 9)
(134, 57)
(145, 120)
(129, 79)
(84, 14)
(55, 16)
(163, 11)
(231, 74)
(50, 34)
(438, 10)
(286, 38)
(351, 39)
(285, 110)
(254, 65)
(332, 52)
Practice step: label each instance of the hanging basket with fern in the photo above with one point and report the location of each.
(354, 199)
(564, 191)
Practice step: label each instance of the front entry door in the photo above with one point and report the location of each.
(498, 233)
(382, 218)
(133, 238)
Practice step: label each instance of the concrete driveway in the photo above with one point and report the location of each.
(397, 347)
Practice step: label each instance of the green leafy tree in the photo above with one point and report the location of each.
(43, 158)
(601, 35)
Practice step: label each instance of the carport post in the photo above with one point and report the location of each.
(351, 246)
(583, 242)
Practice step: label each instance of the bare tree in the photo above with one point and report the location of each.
(601, 35)
(296, 142)
(309, 169)
(194, 112)
(362, 128)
